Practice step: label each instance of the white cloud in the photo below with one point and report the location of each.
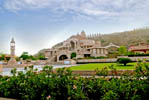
(95, 12)
(94, 8)
(15, 5)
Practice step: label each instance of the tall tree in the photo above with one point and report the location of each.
(41, 56)
(122, 50)
(25, 56)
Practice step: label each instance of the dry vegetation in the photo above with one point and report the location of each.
(126, 38)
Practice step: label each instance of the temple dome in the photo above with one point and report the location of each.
(83, 34)
(12, 41)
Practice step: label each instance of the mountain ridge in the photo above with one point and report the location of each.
(126, 38)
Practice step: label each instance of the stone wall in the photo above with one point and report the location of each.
(139, 58)
(110, 60)
(135, 58)
(16, 66)
(96, 60)
(110, 73)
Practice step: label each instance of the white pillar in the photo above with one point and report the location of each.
(98, 51)
(94, 51)
(101, 51)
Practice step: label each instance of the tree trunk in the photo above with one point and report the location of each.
(125, 64)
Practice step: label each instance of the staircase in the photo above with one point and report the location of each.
(52, 59)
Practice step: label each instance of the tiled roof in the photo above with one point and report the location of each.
(140, 47)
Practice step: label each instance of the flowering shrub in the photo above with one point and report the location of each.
(63, 85)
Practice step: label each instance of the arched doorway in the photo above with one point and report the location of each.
(72, 45)
(63, 57)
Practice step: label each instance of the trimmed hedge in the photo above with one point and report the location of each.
(137, 54)
(124, 61)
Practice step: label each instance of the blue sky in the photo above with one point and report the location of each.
(38, 24)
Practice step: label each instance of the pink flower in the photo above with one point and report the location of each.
(74, 87)
(48, 97)
(69, 98)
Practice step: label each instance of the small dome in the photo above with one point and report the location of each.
(83, 34)
(12, 41)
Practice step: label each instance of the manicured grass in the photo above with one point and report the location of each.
(93, 66)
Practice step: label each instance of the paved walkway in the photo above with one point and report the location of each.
(6, 99)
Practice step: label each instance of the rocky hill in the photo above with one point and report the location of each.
(126, 38)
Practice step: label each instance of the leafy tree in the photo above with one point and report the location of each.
(3, 57)
(124, 61)
(32, 57)
(122, 50)
(73, 55)
(25, 56)
(7, 58)
(17, 59)
(102, 41)
(131, 53)
(41, 56)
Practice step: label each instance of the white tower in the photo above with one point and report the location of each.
(12, 60)
(12, 48)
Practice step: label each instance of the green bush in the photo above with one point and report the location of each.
(73, 55)
(61, 84)
(103, 72)
(137, 54)
(124, 61)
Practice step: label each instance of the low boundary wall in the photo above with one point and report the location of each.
(96, 61)
(110, 60)
(1, 67)
(115, 73)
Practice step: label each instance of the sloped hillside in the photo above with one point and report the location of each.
(126, 38)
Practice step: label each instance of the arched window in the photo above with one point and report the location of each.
(72, 45)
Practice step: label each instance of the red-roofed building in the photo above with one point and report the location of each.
(141, 48)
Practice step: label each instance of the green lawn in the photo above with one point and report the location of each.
(130, 66)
